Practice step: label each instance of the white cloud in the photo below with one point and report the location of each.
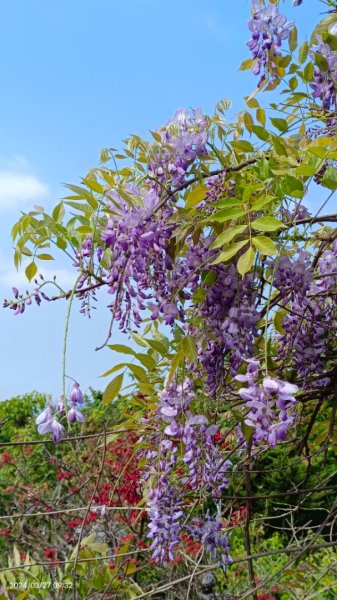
(18, 189)
(9, 277)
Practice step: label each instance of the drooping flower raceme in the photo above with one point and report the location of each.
(271, 406)
(201, 467)
(47, 421)
(310, 325)
(293, 276)
(269, 28)
(324, 86)
(208, 531)
(183, 139)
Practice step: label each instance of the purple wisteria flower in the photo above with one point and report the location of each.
(309, 326)
(76, 394)
(293, 276)
(47, 423)
(230, 318)
(184, 458)
(210, 534)
(184, 138)
(324, 86)
(296, 213)
(75, 415)
(269, 28)
(271, 407)
(165, 514)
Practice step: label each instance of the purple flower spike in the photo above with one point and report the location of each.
(51, 426)
(76, 394)
(269, 28)
(271, 408)
(75, 415)
(45, 416)
(57, 430)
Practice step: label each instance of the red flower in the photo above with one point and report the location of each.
(5, 532)
(50, 552)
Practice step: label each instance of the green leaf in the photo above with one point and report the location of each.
(252, 102)
(248, 121)
(261, 116)
(58, 212)
(177, 360)
(228, 235)
(113, 388)
(267, 224)
(156, 136)
(122, 349)
(264, 245)
(242, 146)
(293, 83)
(138, 339)
(229, 252)
(261, 202)
(280, 124)
(278, 320)
(329, 178)
(245, 261)
(61, 243)
(31, 271)
(158, 346)
(293, 186)
(303, 52)
(45, 256)
(227, 203)
(195, 195)
(138, 372)
(321, 62)
(306, 170)
(208, 277)
(292, 41)
(146, 360)
(227, 214)
(114, 369)
(330, 39)
(261, 132)
(322, 27)
(199, 295)
(247, 430)
(246, 64)
(84, 229)
(279, 146)
(308, 72)
(92, 184)
(189, 348)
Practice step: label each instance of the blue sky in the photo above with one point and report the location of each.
(77, 77)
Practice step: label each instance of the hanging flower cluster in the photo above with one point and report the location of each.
(324, 84)
(269, 28)
(201, 467)
(47, 420)
(183, 140)
(310, 324)
(271, 405)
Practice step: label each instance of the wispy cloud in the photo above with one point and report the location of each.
(9, 277)
(18, 189)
